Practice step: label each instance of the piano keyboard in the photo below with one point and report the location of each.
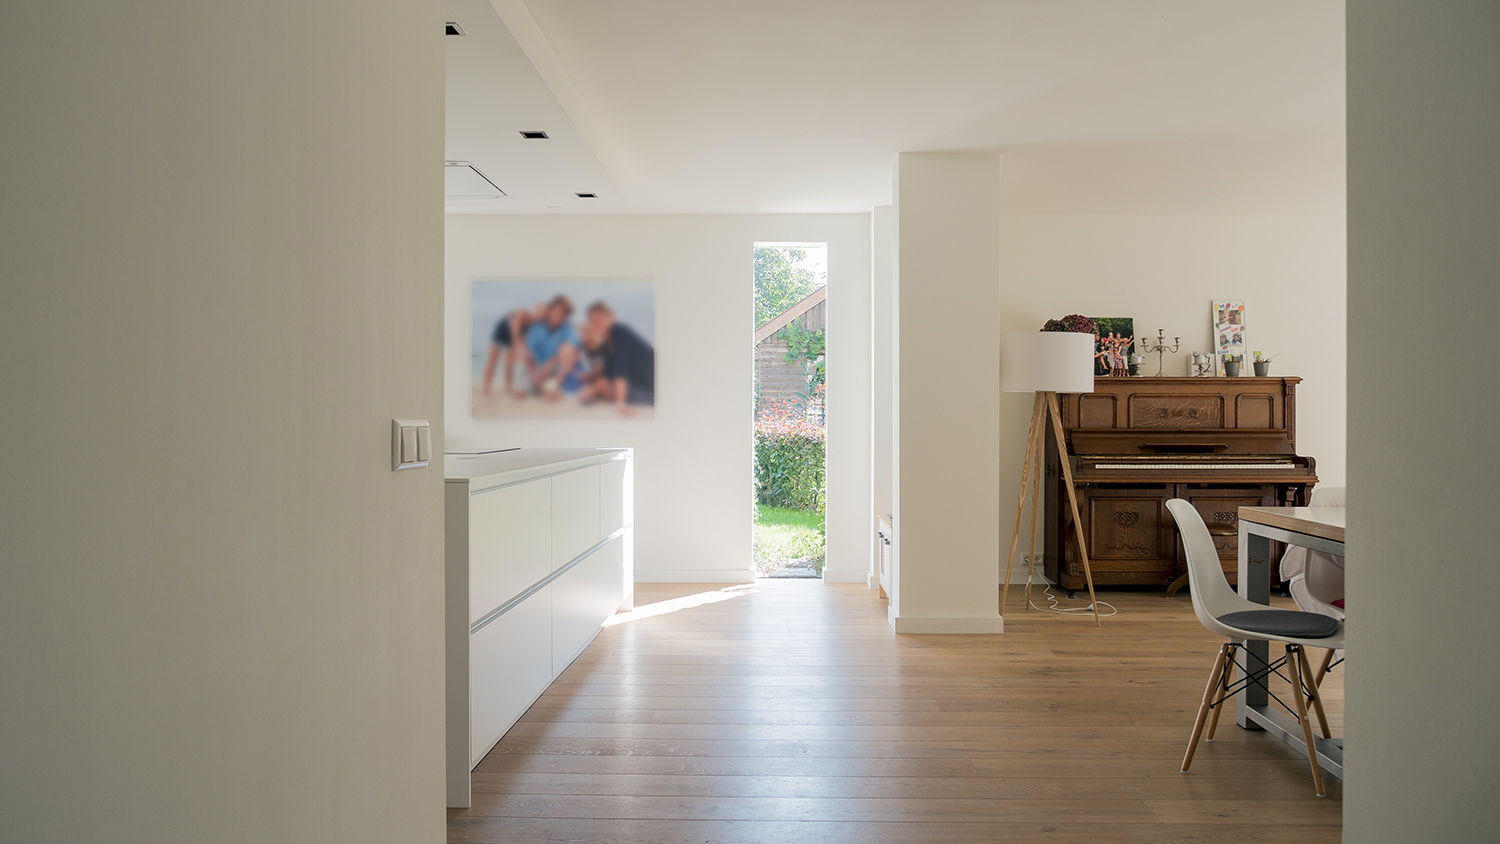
(1206, 465)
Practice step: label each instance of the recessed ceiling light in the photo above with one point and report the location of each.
(587, 195)
(453, 29)
(533, 134)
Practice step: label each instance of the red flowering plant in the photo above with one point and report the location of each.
(789, 457)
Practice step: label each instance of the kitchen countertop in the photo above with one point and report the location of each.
(522, 463)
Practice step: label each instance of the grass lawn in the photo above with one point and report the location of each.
(782, 534)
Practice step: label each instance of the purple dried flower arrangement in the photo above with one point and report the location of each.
(1073, 323)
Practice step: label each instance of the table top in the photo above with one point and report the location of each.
(1325, 522)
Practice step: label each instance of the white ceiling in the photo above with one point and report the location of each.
(1111, 106)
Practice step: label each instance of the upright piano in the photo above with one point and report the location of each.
(1136, 443)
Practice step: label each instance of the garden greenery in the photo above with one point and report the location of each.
(810, 349)
(789, 464)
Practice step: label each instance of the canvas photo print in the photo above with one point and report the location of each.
(562, 349)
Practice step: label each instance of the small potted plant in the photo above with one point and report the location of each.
(1262, 364)
(1232, 365)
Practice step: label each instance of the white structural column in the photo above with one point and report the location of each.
(882, 252)
(947, 400)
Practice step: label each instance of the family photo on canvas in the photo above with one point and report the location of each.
(563, 348)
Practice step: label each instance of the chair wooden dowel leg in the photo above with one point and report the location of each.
(1208, 695)
(1314, 695)
(1296, 655)
(1226, 680)
(1326, 665)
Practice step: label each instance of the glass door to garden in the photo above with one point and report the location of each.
(790, 390)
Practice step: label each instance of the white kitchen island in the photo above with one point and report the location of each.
(538, 558)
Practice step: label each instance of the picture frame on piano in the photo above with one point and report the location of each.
(1114, 344)
(1227, 327)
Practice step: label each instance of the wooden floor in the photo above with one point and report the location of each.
(788, 711)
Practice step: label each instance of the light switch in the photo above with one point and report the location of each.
(411, 444)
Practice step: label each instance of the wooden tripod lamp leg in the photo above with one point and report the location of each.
(1067, 469)
(1033, 433)
(1036, 498)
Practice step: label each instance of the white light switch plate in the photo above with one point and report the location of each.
(407, 435)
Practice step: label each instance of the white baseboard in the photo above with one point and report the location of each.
(831, 576)
(693, 576)
(908, 624)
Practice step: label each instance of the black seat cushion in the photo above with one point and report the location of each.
(1291, 623)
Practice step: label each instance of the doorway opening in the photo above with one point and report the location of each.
(789, 536)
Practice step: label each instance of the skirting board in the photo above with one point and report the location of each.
(693, 576)
(989, 625)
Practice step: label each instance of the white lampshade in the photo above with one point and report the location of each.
(1047, 361)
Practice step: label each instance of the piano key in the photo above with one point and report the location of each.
(1204, 466)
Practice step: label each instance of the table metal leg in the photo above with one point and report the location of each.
(1255, 585)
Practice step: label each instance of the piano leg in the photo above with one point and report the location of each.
(1255, 585)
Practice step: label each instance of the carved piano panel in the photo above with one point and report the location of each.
(1136, 443)
(1126, 531)
(1176, 412)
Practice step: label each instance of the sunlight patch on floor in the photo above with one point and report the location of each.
(686, 602)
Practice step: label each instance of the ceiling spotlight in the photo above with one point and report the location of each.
(533, 134)
(587, 195)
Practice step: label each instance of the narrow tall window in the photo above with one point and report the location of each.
(791, 376)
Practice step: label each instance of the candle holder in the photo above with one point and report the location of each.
(1160, 348)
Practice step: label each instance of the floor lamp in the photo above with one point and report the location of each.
(1046, 363)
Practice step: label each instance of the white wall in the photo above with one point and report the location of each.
(945, 398)
(1424, 195)
(693, 457)
(221, 611)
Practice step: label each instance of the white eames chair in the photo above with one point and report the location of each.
(1316, 578)
(1224, 612)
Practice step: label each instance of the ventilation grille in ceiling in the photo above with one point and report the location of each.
(462, 179)
(453, 29)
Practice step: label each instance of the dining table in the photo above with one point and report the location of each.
(1260, 529)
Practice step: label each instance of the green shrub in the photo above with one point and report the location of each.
(789, 460)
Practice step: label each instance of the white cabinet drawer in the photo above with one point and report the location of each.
(583, 598)
(510, 543)
(575, 513)
(615, 512)
(510, 665)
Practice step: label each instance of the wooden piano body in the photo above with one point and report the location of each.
(1136, 443)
